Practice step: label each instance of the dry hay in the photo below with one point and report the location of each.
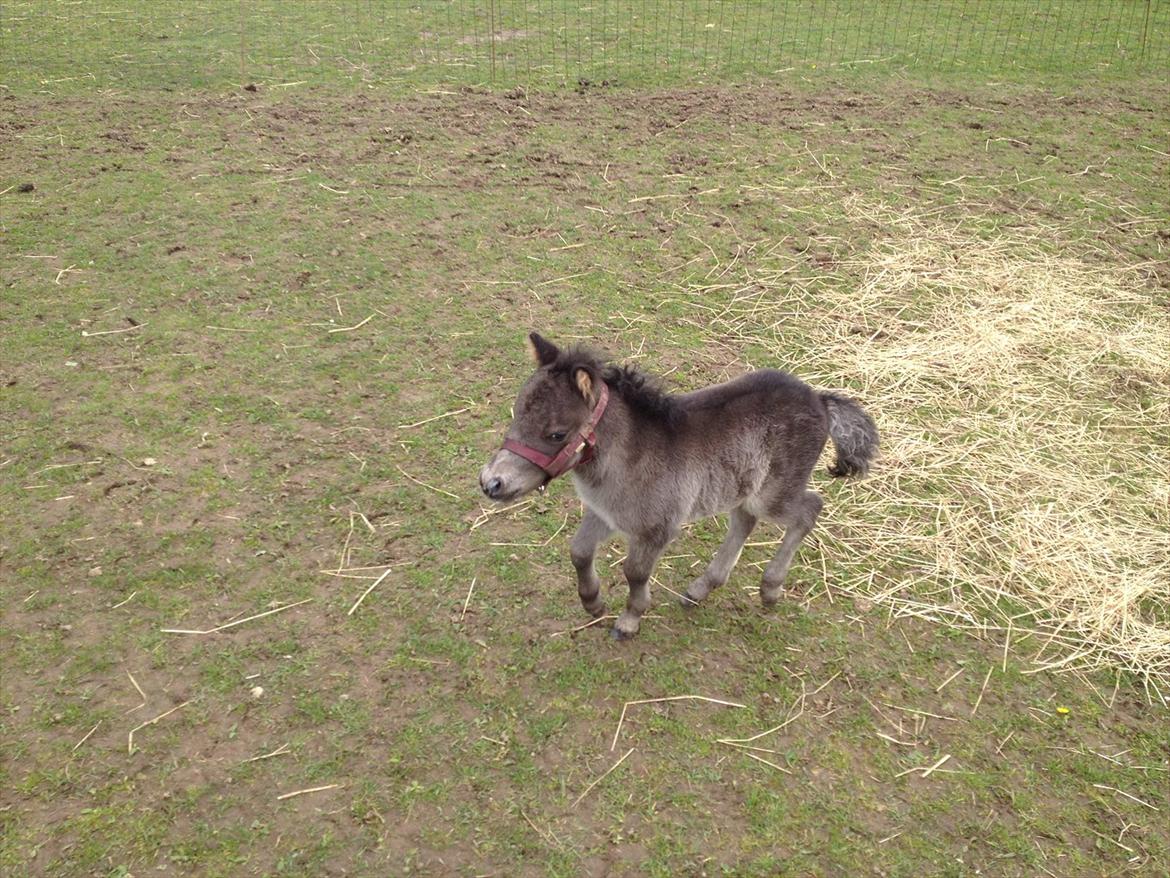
(1022, 398)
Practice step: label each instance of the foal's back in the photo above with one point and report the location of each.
(767, 406)
(755, 439)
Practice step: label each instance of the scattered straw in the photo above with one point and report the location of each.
(361, 572)
(926, 770)
(936, 766)
(63, 272)
(149, 722)
(537, 545)
(1102, 786)
(682, 597)
(294, 793)
(435, 418)
(279, 751)
(344, 574)
(428, 487)
(765, 761)
(141, 694)
(344, 560)
(545, 835)
(557, 280)
(641, 198)
(589, 788)
(1112, 841)
(1020, 390)
(366, 593)
(982, 689)
(237, 622)
(941, 685)
(744, 751)
(87, 737)
(1007, 642)
(746, 746)
(1003, 743)
(66, 465)
(795, 712)
(467, 600)
(629, 704)
(85, 334)
(589, 624)
(949, 719)
(123, 603)
(791, 719)
(486, 514)
(352, 328)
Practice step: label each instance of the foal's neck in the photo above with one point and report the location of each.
(619, 434)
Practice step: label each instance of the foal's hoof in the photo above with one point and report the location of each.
(596, 608)
(698, 591)
(769, 597)
(625, 627)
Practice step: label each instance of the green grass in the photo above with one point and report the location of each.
(69, 45)
(458, 222)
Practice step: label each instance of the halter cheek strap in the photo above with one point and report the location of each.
(583, 442)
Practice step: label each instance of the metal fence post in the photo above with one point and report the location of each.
(243, 74)
(1146, 28)
(492, 36)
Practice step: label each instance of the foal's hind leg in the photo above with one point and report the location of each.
(593, 530)
(798, 515)
(739, 527)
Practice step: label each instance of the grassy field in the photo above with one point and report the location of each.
(256, 345)
(84, 44)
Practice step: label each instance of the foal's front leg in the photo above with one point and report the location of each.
(590, 534)
(644, 552)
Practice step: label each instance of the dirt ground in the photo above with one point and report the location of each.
(256, 346)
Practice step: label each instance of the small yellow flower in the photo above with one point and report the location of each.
(1063, 711)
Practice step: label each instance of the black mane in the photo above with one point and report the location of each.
(643, 393)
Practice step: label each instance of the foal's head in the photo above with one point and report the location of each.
(550, 412)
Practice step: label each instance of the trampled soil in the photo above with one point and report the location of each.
(231, 244)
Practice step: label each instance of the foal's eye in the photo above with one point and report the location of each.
(556, 437)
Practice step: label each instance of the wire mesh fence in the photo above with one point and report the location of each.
(68, 44)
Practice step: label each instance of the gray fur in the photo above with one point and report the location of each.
(747, 446)
(854, 435)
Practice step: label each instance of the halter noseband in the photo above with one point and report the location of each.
(584, 440)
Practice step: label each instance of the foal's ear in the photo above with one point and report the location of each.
(584, 382)
(541, 350)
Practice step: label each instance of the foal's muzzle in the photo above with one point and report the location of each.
(517, 468)
(506, 477)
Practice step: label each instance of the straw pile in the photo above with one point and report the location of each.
(1022, 395)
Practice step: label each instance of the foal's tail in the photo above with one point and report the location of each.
(854, 434)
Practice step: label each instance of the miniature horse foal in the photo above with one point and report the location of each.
(645, 462)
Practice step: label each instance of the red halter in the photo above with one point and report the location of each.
(585, 440)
